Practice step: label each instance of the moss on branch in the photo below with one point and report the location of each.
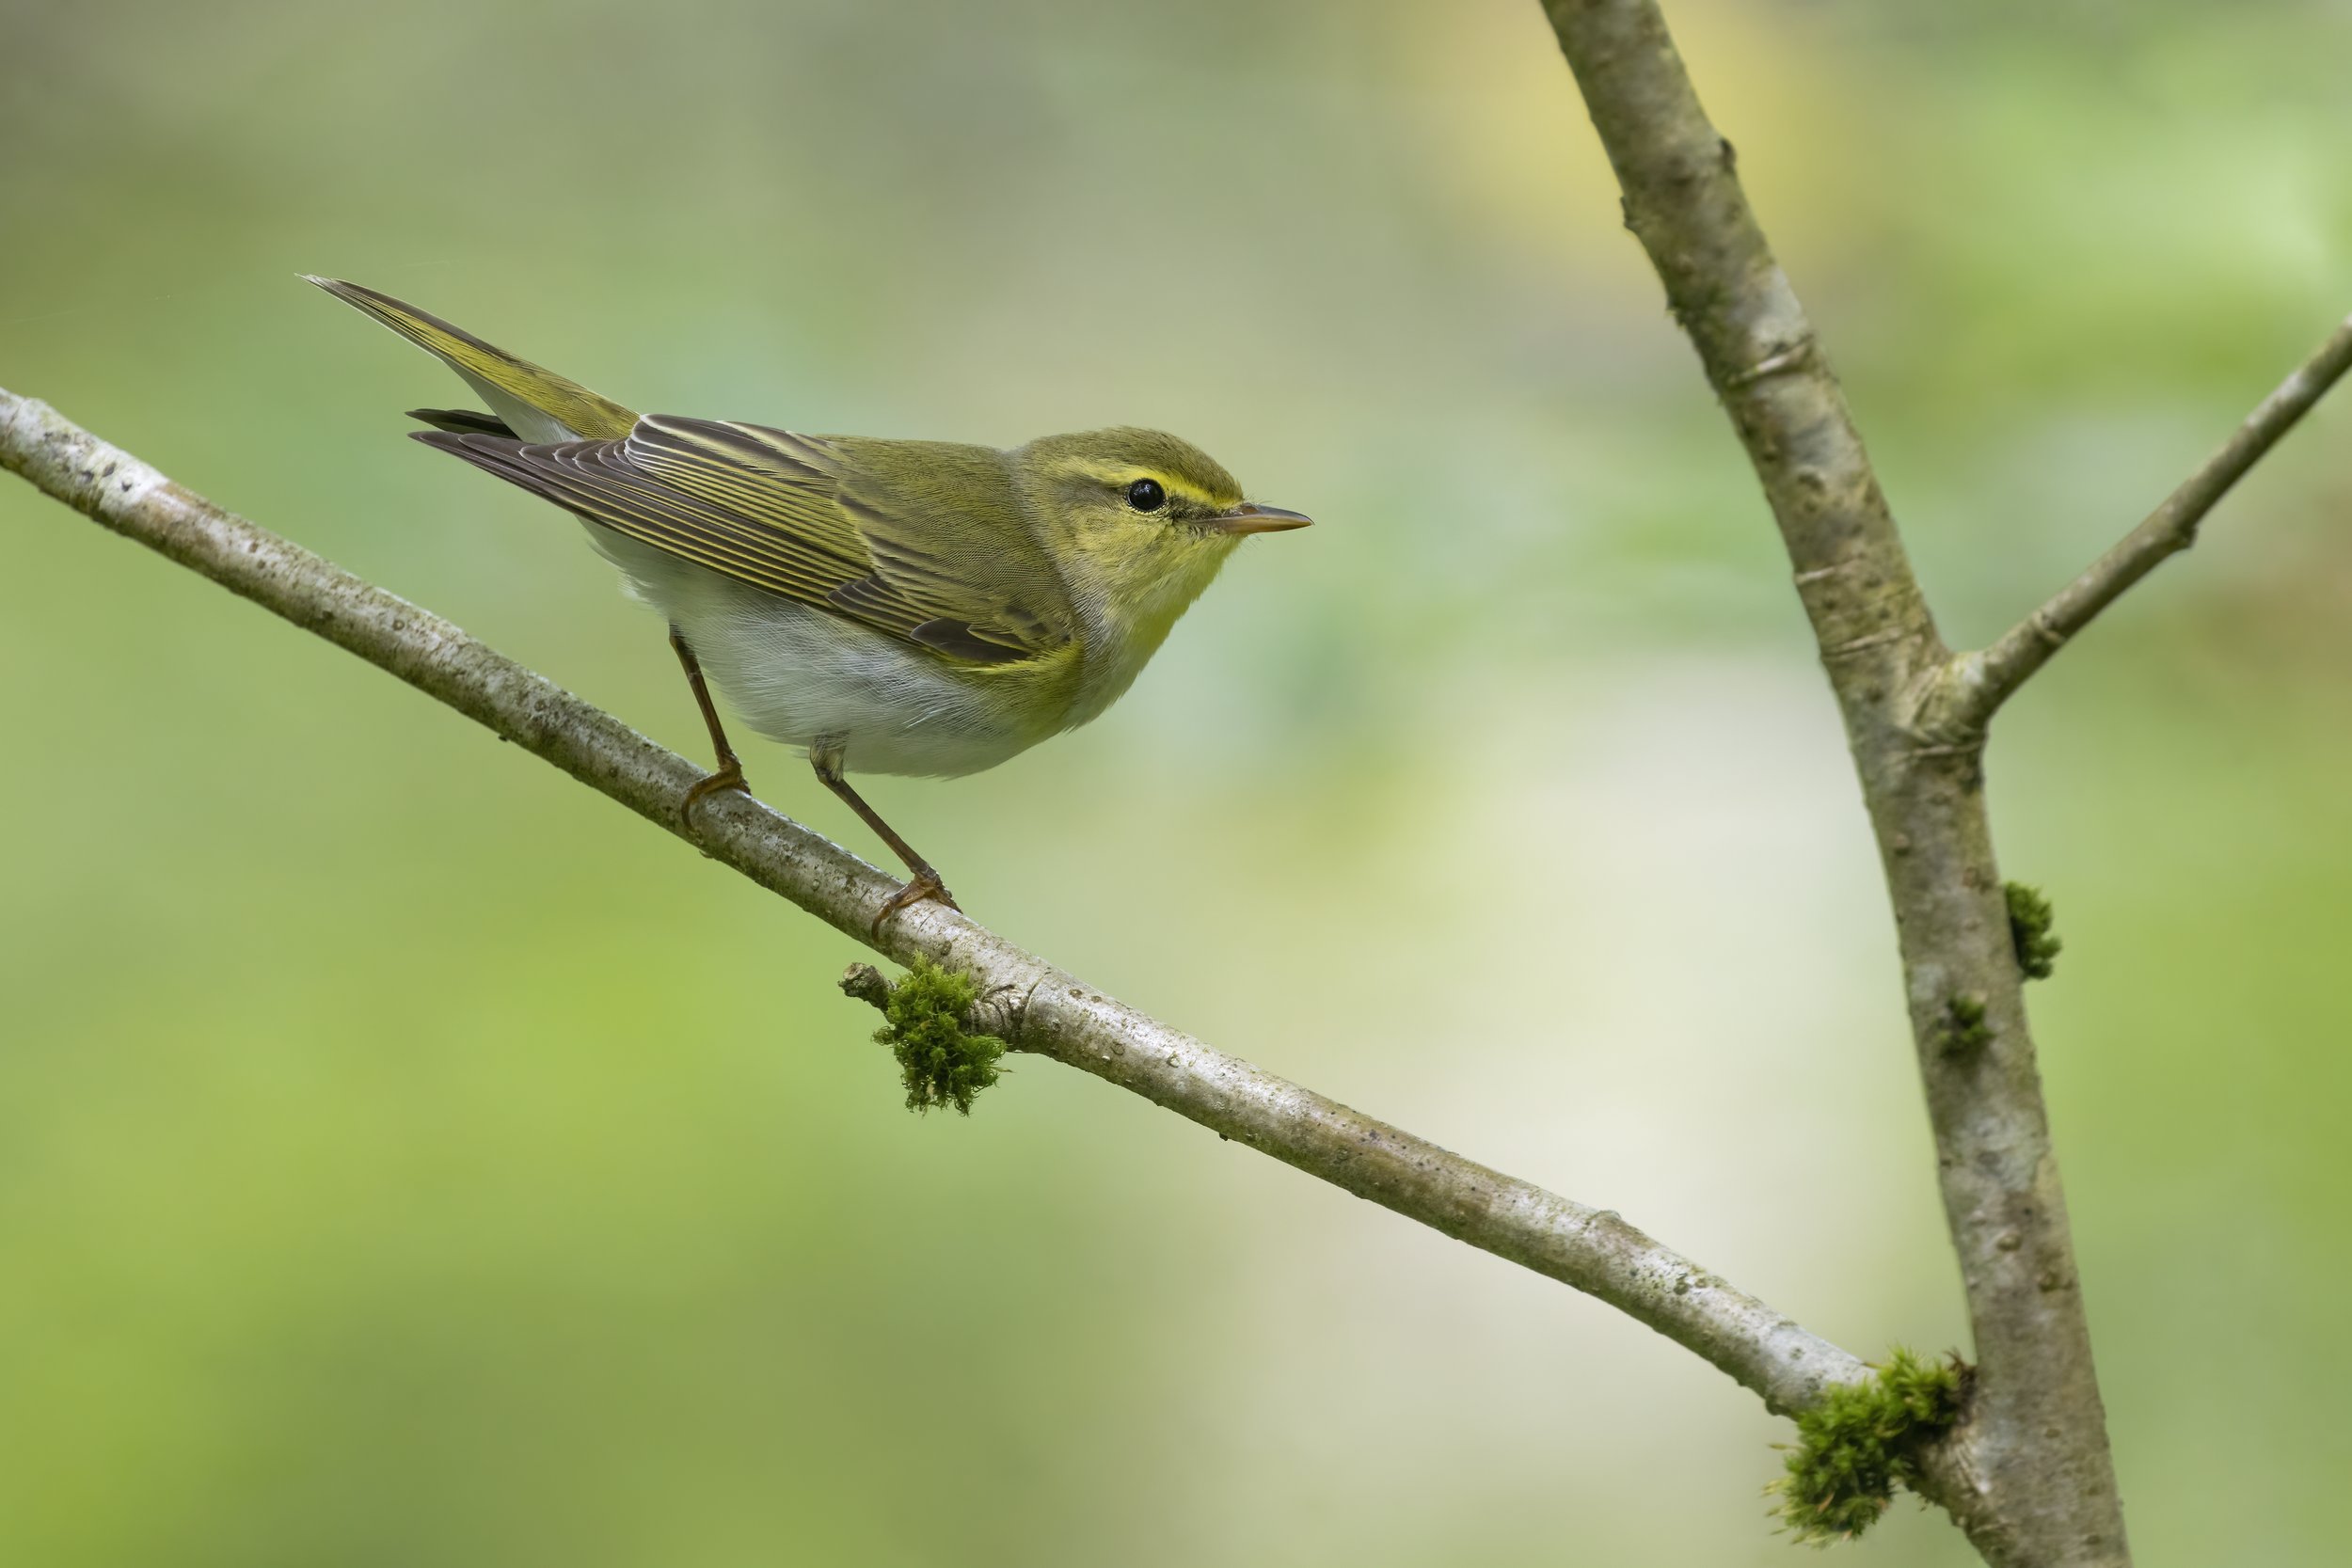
(2033, 930)
(940, 1062)
(1864, 1441)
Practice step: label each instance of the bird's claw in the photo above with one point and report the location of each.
(924, 886)
(729, 776)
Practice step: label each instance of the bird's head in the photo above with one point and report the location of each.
(1146, 519)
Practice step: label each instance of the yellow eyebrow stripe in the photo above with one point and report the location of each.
(1173, 483)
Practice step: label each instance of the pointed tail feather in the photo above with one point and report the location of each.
(534, 402)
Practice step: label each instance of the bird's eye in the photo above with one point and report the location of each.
(1145, 495)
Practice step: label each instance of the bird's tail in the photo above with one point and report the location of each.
(536, 404)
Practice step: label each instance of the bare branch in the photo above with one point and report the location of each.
(1683, 202)
(2028, 1474)
(1978, 683)
(1036, 1007)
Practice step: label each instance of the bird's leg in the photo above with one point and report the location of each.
(730, 770)
(825, 756)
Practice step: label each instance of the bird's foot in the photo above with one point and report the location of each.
(925, 885)
(729, 776)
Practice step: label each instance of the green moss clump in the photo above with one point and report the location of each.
(1862, 1441)
(1964, 1029)
(2030, 930)
(940, 1062)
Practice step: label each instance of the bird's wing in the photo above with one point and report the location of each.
(792, 515)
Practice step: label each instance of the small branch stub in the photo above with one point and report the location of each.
(939, 1062)
(1862, 1441)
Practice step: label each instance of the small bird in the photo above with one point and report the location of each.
(901, 607)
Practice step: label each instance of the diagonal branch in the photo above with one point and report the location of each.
(1978, 684)
(1036, 1007)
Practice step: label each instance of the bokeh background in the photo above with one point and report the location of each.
(407, 1157)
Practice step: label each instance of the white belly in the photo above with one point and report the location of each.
(801, 676)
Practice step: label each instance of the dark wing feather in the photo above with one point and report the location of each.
(463, 420)
(781, 512)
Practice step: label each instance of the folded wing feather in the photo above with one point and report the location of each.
(789, 514)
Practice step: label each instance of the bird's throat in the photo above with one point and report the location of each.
(1128, 604)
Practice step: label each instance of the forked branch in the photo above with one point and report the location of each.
(1977, 684)
(2027, 1471)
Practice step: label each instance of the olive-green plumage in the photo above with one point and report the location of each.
(903, 607)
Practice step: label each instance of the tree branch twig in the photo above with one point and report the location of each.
(1035, 1006)
(1977, 684)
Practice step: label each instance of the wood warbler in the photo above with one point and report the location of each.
(899, 606)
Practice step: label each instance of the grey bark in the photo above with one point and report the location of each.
(1033, 1005)
(2028, 1474)
(2035, 1483)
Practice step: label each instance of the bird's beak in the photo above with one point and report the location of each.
(1249, 517)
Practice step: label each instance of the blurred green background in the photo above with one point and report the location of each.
(407, 1157)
